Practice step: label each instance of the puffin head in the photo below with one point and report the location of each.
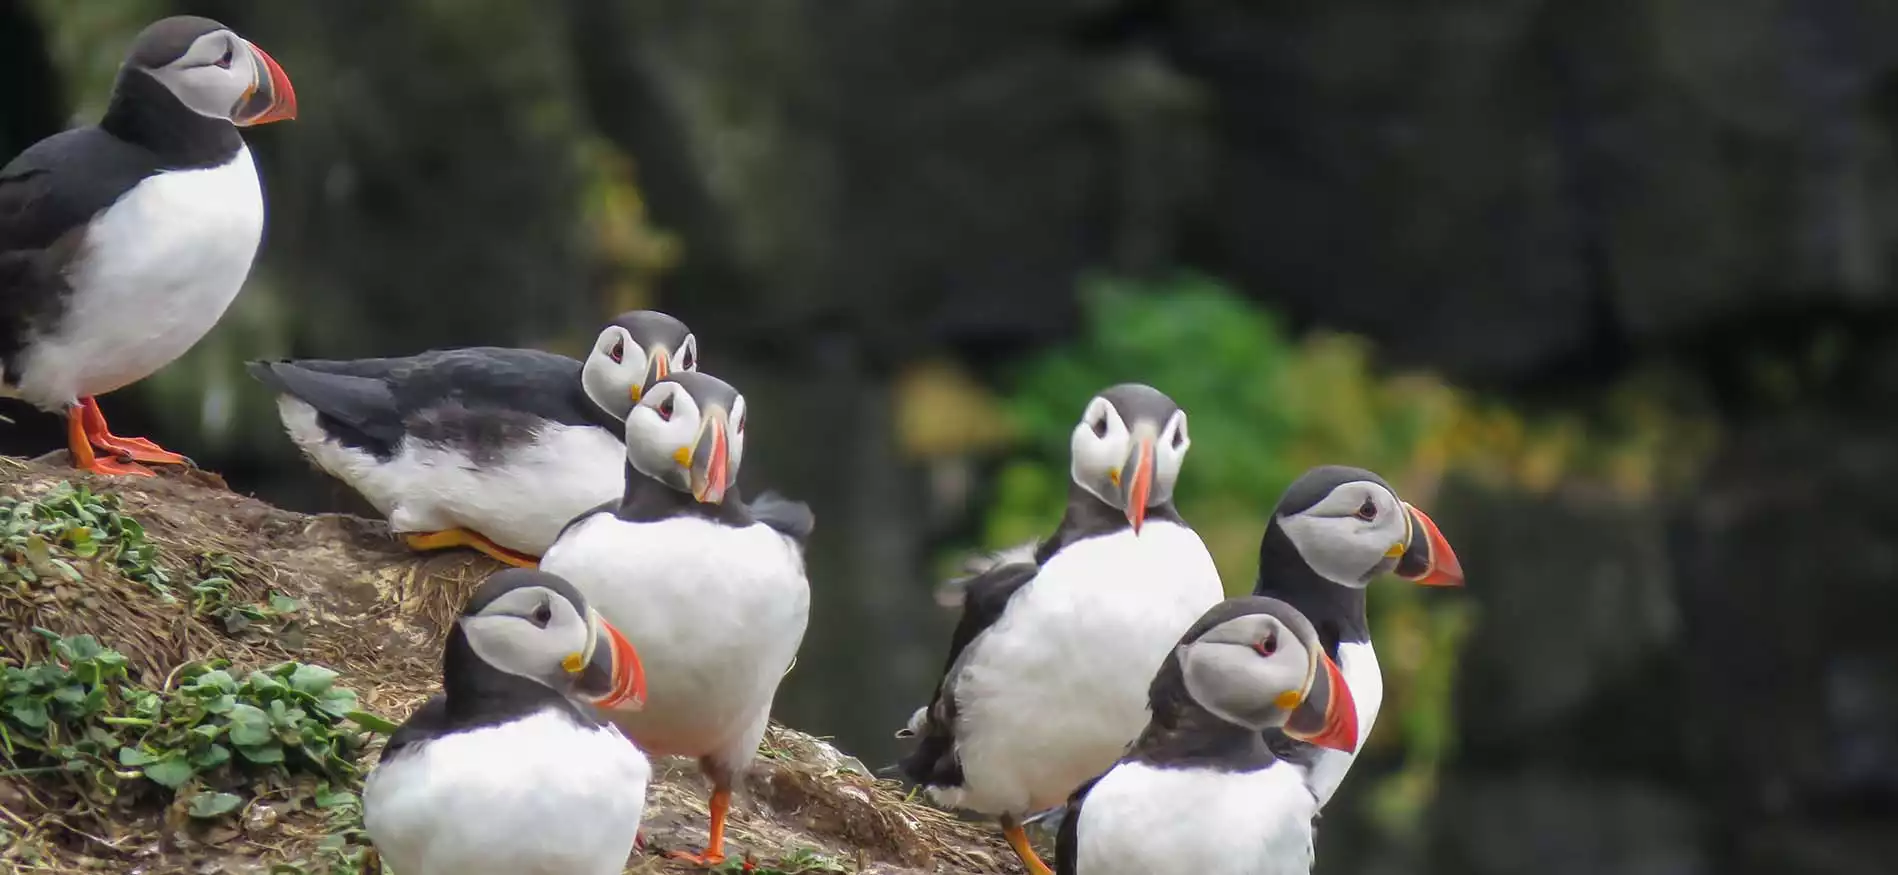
(635, 350)
(1349, 526)
(212, 71)
(1128, 447)
(688, 432)
(537, 626)
(1257, 663)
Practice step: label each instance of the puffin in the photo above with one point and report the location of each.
(491, 448)
(710, 588)
(1334, 530)
(511, 768)
(1250, 664)
(1046, 679)
(122, 243)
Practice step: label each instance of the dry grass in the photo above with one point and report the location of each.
(376, 612)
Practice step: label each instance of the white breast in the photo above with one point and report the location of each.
(1051, 695)
(538, 795)
(1141, 820)
(1358, 662)
(158, 269)
(520, 502)
(716, 613)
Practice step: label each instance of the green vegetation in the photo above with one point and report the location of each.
(1263, 407)
(204, 741)
(800, 861)
(40, 539)
(210, 735)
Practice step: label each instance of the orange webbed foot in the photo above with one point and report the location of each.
(426, 541)
(1018, 840)
(707, 858)
(79, 443)
(135, 449)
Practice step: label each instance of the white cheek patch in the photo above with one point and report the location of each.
(1333, 547)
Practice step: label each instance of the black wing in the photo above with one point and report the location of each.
(48, 195)
(790, 517)
(1067, 841)
(373, 403)
(985, 598)
(583, 516)
(428, 721)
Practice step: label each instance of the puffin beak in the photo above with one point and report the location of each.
(1140, 485)
(658, 365)
(1328, 717)
(711, 467)
(614, 668)
(1428, 559)
(270, 98)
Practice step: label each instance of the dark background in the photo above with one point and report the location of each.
(871, 210)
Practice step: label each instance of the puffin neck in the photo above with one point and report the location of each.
(648, 501)
(145, 113)
(1183, 734)
(1335, 610)
(478, 694)
(592, 412)
(1087, 516)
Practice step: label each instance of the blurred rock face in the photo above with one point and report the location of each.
(1532, 196)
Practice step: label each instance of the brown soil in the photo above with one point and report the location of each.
(375, 612)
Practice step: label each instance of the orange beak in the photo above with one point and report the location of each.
(629, 676)
(1428, 559)
(710, 482)
(273, 99)
(1330, 696)
(1140, 486)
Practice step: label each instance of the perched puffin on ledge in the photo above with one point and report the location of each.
(122, 243)
(1200, 793)
(1334, 531)
(510, 769)
(711, 589)
(1046, 679)
(484, 447)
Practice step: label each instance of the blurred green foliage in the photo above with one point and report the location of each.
(1264, 406)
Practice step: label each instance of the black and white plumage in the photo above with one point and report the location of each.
(504, 771)
(1334, 531)
(1200, 793)
(122, 243)
(710, 588)
(486, 447)
(1046, 678)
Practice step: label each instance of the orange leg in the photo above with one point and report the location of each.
(1017, 839)
(714, 853)
(84, 459)
(133, 449)
(475, 540)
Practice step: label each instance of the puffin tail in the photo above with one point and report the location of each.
(363, 405)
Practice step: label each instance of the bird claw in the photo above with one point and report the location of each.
(707, 859)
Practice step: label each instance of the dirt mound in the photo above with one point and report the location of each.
(208, 614)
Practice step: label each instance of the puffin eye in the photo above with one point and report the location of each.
(665, 409)
(543, 615)
(1179, 437)
(225, 61)
(1268, 645)
(618, 353)
(741, 423)
(1367, 511)
(1100, 425)
(688, 361)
